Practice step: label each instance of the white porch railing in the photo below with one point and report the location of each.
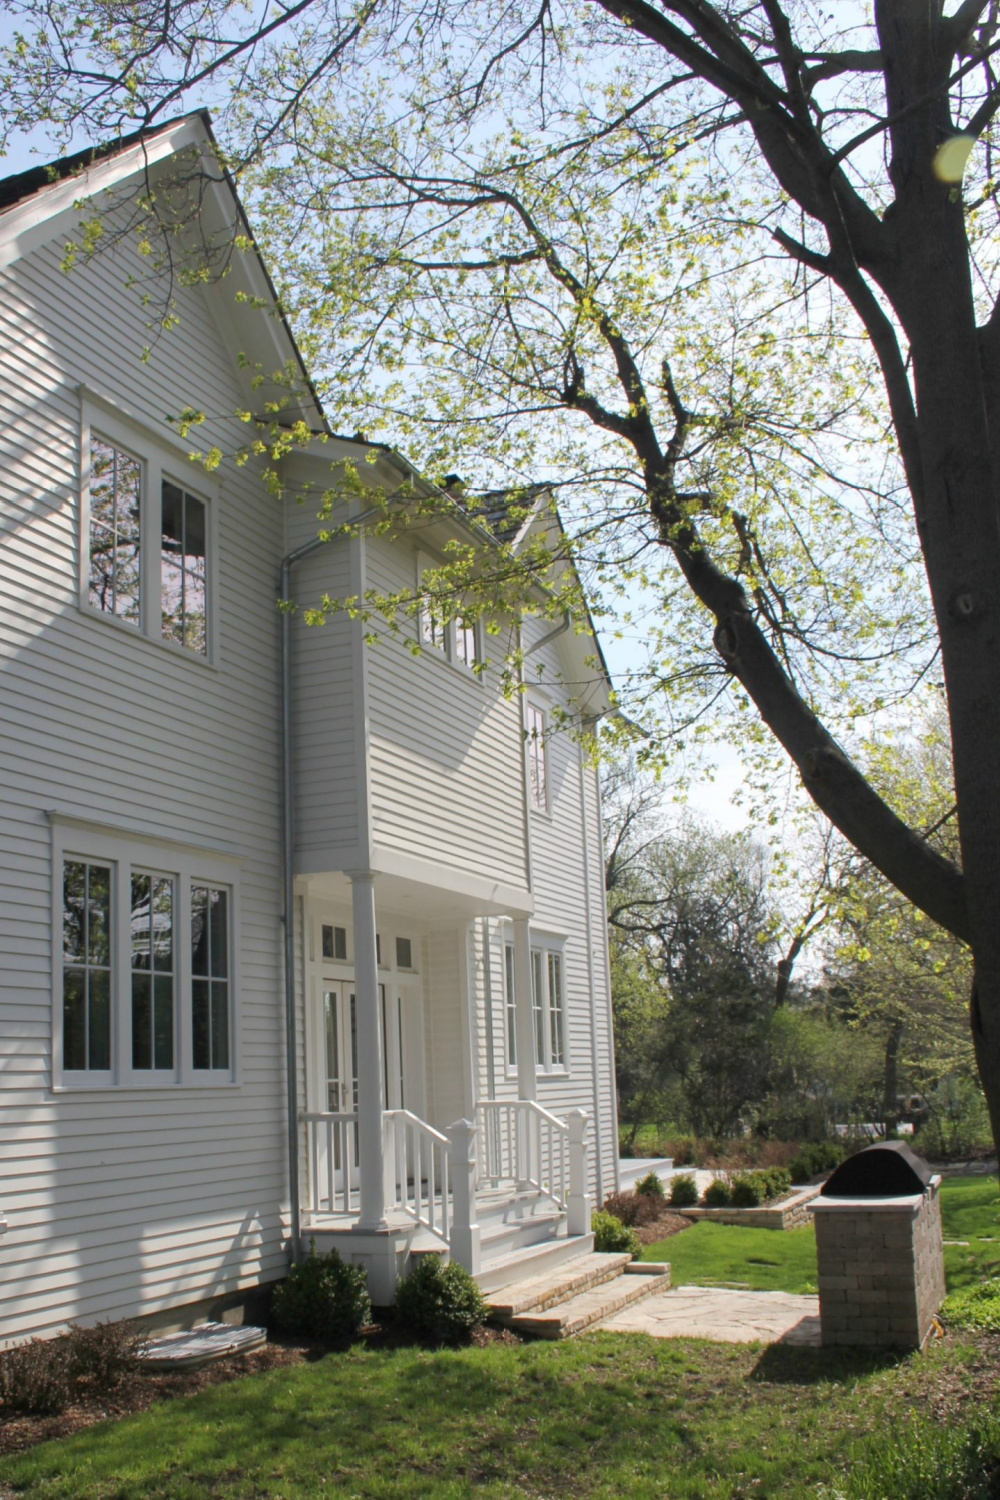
(332, 1154)
(522, 1143)
(432, 1178)
(417, 1175)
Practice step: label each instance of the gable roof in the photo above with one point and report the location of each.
(31, 200)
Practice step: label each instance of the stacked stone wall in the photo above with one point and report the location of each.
(881, 1271)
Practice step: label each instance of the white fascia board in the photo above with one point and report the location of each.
(27, 225)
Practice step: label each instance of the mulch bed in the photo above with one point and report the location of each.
(662, 1228)
(142, 1390)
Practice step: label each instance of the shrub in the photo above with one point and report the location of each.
(815, 1158)
(683, 1191)
(611, 1236)
(717, 1194)
(36, 1377)
(775, 1182)
(976, 1307)
(634, 1208)
(322, 1298)
(747, 1191)
(440, 1303)
(650, 1186)
(104, 1355)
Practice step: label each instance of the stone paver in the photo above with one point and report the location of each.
(731, 1317)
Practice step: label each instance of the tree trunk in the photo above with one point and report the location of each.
(890, 1077)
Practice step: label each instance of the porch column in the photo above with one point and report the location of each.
(370, 1105)
(524, 1021)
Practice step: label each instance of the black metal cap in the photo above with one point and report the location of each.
(888, 1169)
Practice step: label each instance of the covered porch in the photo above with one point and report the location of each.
(399, 1153)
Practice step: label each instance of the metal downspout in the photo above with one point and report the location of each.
(288, 876)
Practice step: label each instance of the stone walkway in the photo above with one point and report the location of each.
(730, 1317)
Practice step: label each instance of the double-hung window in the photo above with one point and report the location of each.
(146, 537)
(144, 951)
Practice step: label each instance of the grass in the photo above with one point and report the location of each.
(595, 1418)
(772, 1260)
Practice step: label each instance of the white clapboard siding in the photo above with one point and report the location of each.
(326, 703)
(123, 1202)
(445, 747)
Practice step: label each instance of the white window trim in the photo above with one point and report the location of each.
(448, 650)
(543, 943)
(74, 838)
(538, 809)
(160, 459)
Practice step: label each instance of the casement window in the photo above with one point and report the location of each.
(510, 1009)
(146, 536)
(114, 535)
(183, 579)
(456, 638)
(538, 780)
(144, 953)
(548, 1009)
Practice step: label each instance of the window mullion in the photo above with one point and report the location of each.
(182, 930)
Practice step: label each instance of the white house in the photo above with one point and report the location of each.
(442, 987)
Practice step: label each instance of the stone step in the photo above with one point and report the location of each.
(531, 1260)
(537, 1293)
(590, 1308)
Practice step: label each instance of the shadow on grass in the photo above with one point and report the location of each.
(783, 1364)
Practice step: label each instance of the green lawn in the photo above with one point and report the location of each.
(769, 1260)
(596, 1418)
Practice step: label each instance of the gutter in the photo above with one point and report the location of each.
(288, 562)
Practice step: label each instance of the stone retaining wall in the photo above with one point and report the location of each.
(785, 1213)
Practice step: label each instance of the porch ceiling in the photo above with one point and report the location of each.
(432, 894)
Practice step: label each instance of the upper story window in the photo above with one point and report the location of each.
(147, 539)
(183, 581)
(538, 781)
(144, 962)
(457, 638)
(115, 531)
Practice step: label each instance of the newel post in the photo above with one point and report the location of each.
(462, 1170)
(579, 1206)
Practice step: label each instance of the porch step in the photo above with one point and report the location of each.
(588, 1308)
(537, 1293)
(499, 1240)
(531, 1261)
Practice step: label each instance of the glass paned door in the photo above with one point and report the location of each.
(340, 1025)
(340, 1065)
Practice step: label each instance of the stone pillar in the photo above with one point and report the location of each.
(580, 1204)
(462, 1169)
(524, 1021)
(371, 1144)
(880, 1268)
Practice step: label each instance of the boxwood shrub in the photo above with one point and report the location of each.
(440, 1304)
(611, 1236)
(322, 1298)
(650, 1186)
(683, 1191)
(717, 1194)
